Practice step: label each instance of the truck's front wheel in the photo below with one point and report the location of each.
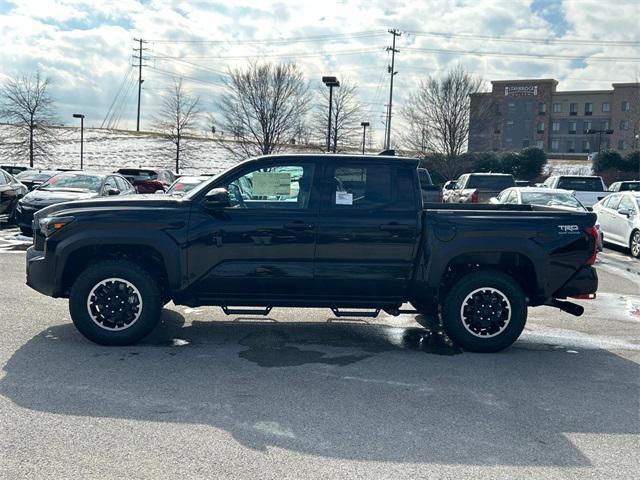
(485, 311)
(115, 302)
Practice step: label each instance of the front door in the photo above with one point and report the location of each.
(262, 247)
(368, 229)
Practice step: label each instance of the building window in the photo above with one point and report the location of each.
(540, 128)
(606, 107)
(572, 126)
(525, 143)
(542, 108)
(557, 108)
(587, 126)
(605, 125)
(624, 124)
(497, 128)
(588, 108)
(509, 125)
(571, 146)
(621, 145)
(555, 126)
(586, 146)
(573, 109)
(555, 145)
(625, 106)
(511, 107)
(498, 109)
(540, 144)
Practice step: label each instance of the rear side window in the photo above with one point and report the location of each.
(630, 186)
(581, 184)
(372, 187)
(490, 182)
(123, 185)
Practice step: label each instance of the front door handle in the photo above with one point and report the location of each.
(395, 227)
(298, 225)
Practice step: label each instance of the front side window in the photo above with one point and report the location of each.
(110, 184)
(627, 204)
(277, 186)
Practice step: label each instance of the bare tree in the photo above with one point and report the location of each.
(262, 106)
(346, 115)
(437, 114)
(178, 117)
(26, 103)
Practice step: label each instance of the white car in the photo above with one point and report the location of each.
(546, 197)
(587, 189)
(619, 216)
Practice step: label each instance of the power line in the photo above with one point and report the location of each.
(524, 55)
(561, 41)
(272, 41)
(273, 55)
(186, 77)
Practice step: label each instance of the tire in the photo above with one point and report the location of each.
(28, 231)
(634, 244)
(122, 284)
(501, 327)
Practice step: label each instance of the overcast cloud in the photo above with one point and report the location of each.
(86, 46)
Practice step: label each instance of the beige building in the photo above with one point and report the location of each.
(521, 113)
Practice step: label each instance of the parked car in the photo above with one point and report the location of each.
(626, 186)
(34, 178)
(185, 184)
(619, 216)
(148, 180)
(67, 186)
(430, 193)
(14, 169)
(478, 187)
(11, 190)
(352, 236)
(545, 197)
(588, 189)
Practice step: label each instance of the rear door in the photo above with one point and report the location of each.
(368, 229)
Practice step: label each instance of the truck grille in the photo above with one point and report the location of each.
(38, 240)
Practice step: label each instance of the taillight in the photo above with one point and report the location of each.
(474, 197)
(593, 231)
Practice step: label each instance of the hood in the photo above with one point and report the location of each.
(116, 203)
(44, 198)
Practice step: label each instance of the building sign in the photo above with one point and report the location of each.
(521, 90)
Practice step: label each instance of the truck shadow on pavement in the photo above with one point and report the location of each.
(337, 390)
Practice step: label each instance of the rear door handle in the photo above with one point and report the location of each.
(395, 227)
(298, 225)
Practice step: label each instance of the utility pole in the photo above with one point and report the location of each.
(140, 80)
(391, 70)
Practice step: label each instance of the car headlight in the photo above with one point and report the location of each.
(49, 225)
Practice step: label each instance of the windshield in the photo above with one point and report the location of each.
(551, 199)
(490, 182)
(73, 181)
(29, 176)
(581, 184)
(630, 186)
(139, 174)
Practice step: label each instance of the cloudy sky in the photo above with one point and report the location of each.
(85, 47)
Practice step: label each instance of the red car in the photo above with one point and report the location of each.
(148, 180)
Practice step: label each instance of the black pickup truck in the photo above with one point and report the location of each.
(350, 233)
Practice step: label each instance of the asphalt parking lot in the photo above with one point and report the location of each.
(301, 394)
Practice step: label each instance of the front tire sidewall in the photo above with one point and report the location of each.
(149, 292)
(453, 322)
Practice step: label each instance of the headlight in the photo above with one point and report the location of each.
(50, 225)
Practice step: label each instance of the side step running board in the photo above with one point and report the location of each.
(246, 311)
(354, 313)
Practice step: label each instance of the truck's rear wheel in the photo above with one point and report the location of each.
(484, 311)
(115, 302)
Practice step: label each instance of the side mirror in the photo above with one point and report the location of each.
(217, 198)
(113, 191)
(494, 201)
(624, 211)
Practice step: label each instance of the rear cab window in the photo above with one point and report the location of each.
(490, 182)
(581, 184)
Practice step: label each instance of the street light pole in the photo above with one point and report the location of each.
(330, 82)
(364, 133)
(81, 117)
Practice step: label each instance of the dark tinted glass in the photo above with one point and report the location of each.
(630, 186)
(581, 184)
(490, 182)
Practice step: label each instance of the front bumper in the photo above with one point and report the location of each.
(41, 272)
(583, 282)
